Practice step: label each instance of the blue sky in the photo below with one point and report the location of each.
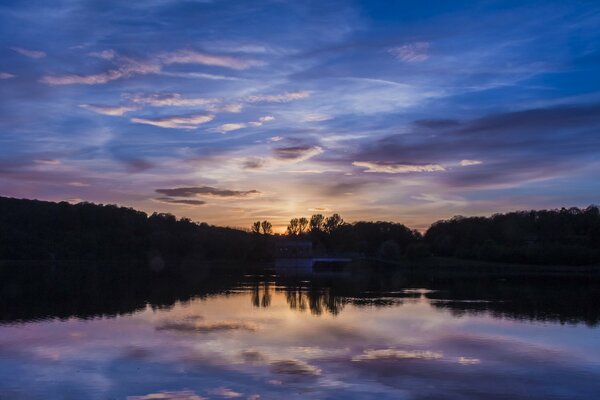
(233, 111)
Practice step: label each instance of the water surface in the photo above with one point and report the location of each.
(258, 334)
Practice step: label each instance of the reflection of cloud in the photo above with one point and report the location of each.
(392, 354)
(466, 163)
(469, 361)
(176, 122)
(108, 110)
(207, 327)
(185, 202)
(205, 191)
(278, 98)
(294, 367)
(225, 392)
(29, 53)
(253, 356)
(411, 52)
(181, 395)
(396, 168)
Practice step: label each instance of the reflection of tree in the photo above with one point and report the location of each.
(318, 300)
(261, 294)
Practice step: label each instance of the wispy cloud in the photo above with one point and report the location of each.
(6, 75)
(185, 202)
(29, 53)
(224, 128)
(104, 54)
(316, 117)
(176, 122)
(230, 108)
(396, 168)
(108, 110)
(207, 191)
(197, 57)
(278, 98)
(127, 68)
(411, 52)
(169, 100)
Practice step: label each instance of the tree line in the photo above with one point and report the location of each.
(39, 230)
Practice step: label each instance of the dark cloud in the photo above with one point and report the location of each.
(187, 202)
(205, 191)
(297, 153)
(512, 147)
(253, 163)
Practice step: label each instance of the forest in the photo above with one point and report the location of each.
(40, 230)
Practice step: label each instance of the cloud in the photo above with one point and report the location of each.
(178, 395)
(396, 168)
(262, 120)
(278, 98)
(176, 122)
(206, 191)
(297, 153)
(169, 100)
(316, 117)
(185, 202)
(230, 108)
(517, 147)
(104, 54)
(6, 75)
(127, 67)
(29, 53)
(466, 163)
(108, 110)
(47, 162)
(224, 128)
(196, 57)
(294, 367)
(253, 163)
(392, 354)
(411, 52)
(225, 392)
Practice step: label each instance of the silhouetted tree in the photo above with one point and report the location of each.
(267, 228)
(316, 223)
(256, 226)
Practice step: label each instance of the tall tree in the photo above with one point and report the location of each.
(267, 227)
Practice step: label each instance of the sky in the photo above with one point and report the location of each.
(230, 112)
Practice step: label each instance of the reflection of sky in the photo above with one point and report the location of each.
(380, 110)
(224, 347)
